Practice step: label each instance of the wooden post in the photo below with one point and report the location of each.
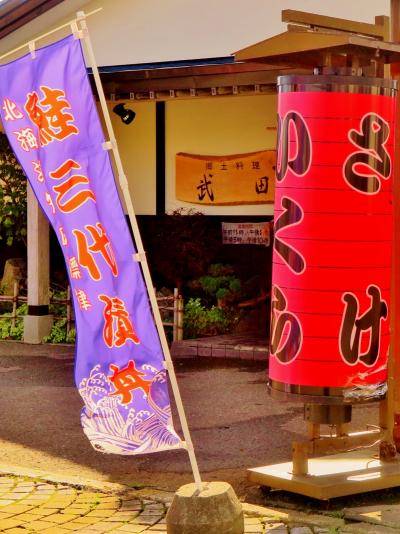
(15, 301)
(383, 414)
(180, 318)
(300, 457)
(38, 321)
(394, 367)
(313, 430)
(69, 309)
(175, 326)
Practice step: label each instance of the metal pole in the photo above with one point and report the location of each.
(141, 255)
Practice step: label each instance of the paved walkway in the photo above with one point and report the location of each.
(36, 500)
(29, 505)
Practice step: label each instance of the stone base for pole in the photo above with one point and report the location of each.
(214, 510)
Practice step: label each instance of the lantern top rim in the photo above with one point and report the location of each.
(337, 83)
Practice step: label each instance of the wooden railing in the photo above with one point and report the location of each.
(174, 304)
(171, 309)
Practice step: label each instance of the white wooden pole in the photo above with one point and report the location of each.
(141, 255)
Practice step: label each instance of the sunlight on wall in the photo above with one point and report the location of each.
(218, 126)
(137, 146)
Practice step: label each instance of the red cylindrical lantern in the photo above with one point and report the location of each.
(333, 234)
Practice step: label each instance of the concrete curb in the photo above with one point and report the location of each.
(221, 347)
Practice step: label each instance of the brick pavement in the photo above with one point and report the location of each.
(29, 505)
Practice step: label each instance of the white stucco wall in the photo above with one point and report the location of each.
(220, 126)
(140, 31)
(207, 126)
(137, 147)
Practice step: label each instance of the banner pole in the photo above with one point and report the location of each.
(141, 255)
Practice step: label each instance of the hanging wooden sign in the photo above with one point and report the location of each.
(226, 180)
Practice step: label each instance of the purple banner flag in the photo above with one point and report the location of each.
(51, 121)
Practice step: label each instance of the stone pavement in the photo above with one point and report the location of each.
(33, 505)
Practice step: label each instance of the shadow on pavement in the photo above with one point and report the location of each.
(234, 423)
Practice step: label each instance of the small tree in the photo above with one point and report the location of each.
(12, 196)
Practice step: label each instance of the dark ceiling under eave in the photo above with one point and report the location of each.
(16, 13)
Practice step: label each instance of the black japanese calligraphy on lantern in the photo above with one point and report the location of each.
(355, 326)
(203, 188)
(364, 169)
(293, 214)
(262, 185)
(294, 146)
(286, 331)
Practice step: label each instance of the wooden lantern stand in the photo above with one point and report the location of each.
(347, 462)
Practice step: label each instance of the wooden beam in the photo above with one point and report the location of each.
(196, 82)
(161, 72)
(395, 20)
(321, 21)
(304, 49)
(383, 22)
(333, 445)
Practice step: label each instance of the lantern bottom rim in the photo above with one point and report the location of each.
(327, 395)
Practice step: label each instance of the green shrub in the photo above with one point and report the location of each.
(71, 336)
(58, 333)
(58, 308)
(194, 318)
(7, 331)
(199, 321)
